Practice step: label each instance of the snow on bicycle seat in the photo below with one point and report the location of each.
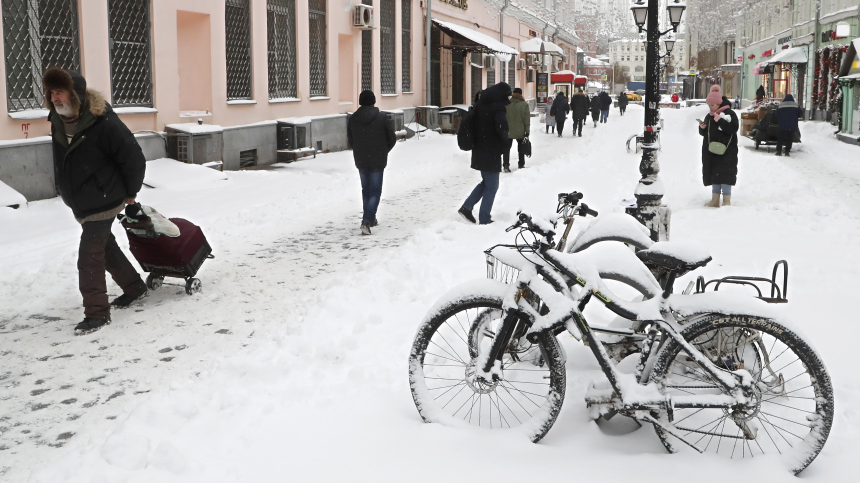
(684, 256)
(616, 227)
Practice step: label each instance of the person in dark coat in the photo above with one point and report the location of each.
(560, 108)
(605, 105)
(720, 125)
(371, 136)
(519, 127)
(622, 102)
(491, 139)
(98, 169)
(579, 111)
(759, 95)
(787, 116)
(595, 109)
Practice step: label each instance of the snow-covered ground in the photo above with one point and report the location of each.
(291, 364)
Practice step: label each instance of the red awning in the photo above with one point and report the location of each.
(580, 80)
(561, 78)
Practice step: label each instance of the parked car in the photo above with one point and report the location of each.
(633, 96)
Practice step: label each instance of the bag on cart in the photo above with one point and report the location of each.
(165, 247)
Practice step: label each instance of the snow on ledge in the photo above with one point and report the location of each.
(10, 197)
(22, 142)
(166, 173)
(240, 102)
(135, 110)
(284, 99)
(29, 114)
(194, 128)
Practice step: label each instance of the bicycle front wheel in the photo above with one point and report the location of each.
(790, 411)
(442, 363)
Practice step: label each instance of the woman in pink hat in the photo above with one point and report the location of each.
(719, 131)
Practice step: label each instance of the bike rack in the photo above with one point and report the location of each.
(777, 296)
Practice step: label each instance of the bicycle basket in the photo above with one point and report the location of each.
(500, 271)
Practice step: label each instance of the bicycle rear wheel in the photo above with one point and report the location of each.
(527, 398)
(790, 412)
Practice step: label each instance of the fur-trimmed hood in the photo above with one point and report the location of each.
(58, 78)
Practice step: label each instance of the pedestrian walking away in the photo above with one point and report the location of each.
(622, 102)
(519, 125)
(759, 94)
(605, 105)
(370, 136)
(719, 131)
(787, 115)
(491, 139)
(560, 108)
(579, 111)
(595, 109)
(98, 169)
(549, 119)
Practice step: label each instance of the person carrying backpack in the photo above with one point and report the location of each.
(490, 140)
(560, 108)
(519, 125)
(371, 137)
(605, 105)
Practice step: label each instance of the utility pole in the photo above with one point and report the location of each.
(815, 44)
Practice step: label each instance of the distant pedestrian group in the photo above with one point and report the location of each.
(579, 106)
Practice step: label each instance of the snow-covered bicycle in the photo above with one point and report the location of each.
(734, 379)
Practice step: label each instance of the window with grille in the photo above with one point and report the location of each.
(386, 47)
(491, 74)
(281, 29)
(237, 23)
(317, 31)
(130, 53)
(476, 74)
(406, 44)
(367, 56)
(37, 34)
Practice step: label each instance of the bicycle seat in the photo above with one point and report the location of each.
(679, 256)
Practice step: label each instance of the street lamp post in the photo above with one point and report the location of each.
(649, 209)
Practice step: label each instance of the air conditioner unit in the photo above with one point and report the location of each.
(490, 62)
(530, 75)
(363, 17)
(521, 64)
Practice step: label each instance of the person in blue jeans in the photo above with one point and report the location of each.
(605, 105)
(371, 136)
(491, 140)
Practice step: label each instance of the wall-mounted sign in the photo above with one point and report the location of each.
(767, 53)
(784, 40)
(751, 57)
(542, 86)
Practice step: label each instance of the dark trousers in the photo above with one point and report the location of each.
(371, 192)
(99, 252)
(622, 108)
(784, 138)
(560, 123)
(506, 156)
(577, 125)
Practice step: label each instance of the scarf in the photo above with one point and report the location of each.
(717, 113)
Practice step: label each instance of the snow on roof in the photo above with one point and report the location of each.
(595, 62)
(794, 55)
(533, 46)
(477, 37)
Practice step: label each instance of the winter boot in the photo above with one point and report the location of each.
(787, 154)
(374, 223)
(125, 300)
(715, 201)
(365, 228)
(506, 169)
(727, 200)
(778, 152)
(467, 215)
(91, 324)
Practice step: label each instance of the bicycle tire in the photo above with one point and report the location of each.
(797, 394)
(438, 368)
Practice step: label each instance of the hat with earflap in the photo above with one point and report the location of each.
(57, 78)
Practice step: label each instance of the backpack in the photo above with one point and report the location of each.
(466, 133)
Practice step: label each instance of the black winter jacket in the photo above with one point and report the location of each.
(491, 128)
(623, 100)
(102, 165)
(720, 169)
(579, 106)
(605, 101)
(595, 108)
(561, 107)
(371, 137)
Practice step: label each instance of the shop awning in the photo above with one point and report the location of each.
(794, 55)
(562, 77)
(463, 38)
(538, 46)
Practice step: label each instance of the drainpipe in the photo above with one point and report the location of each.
(815, 41)
(428, 80)
(502, 21)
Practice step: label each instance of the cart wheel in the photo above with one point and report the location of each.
(153, 282)
(193, 285)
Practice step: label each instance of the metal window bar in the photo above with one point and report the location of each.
(130, 52)
(406, 44)
(491, 74)
(367, 56)
(37, 34)
(386, 47)
(317, 32)
(281, 29)
(237, 33)
(512, 72)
